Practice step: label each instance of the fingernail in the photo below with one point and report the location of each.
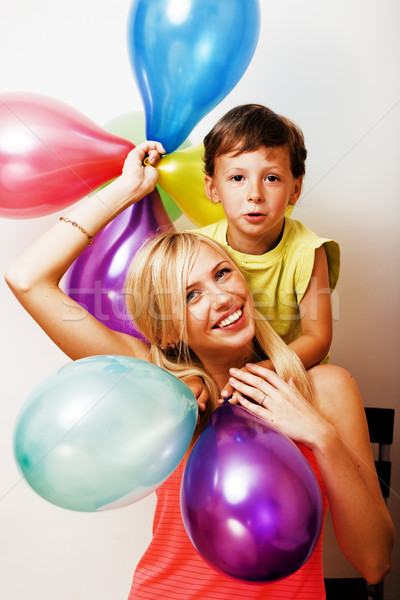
(233, 370)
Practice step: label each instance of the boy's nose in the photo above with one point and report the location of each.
(255, 198)
(255, 193)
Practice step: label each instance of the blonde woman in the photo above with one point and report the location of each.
(193, 305)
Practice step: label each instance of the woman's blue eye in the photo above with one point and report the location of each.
(190, 296)
(222, 272)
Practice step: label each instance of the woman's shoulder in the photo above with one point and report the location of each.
(336, 393)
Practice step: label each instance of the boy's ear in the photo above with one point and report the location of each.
(211, 190)
(296, 193)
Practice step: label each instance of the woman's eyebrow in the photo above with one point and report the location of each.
(215, 268)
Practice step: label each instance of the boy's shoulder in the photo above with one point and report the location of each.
(216, 231)
(296, 228)
(295, 231)
(301, 244)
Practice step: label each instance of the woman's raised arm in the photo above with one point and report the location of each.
(34, 277)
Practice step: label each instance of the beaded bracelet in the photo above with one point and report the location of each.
(75, 224)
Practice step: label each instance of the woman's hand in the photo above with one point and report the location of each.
(278, 403)
(139, 169)
(228, 390)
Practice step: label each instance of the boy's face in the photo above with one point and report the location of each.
(254, 188)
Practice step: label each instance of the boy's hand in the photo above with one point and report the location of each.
(199, 389)
(229, 391)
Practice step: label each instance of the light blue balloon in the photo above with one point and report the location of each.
(187, 55)
(103, 432)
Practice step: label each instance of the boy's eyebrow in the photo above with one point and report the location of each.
(240, 168)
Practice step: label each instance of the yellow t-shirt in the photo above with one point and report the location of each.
(279, 279)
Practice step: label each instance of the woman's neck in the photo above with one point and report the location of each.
(218, 366)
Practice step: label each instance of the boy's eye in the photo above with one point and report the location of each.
(272, 178)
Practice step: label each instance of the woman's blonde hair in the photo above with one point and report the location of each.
(155, 289)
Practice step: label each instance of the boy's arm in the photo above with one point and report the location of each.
(199, 389)
(316, 319)
(316, 315)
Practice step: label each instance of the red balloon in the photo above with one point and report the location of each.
(51, 155)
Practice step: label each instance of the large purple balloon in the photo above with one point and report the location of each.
(96, 278)
(250, 501)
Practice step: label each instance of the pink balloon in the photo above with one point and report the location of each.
(51, 155)
(96, 278)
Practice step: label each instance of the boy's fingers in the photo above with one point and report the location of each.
(235, 398)
(227, 391)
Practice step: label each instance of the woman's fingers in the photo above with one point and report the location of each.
(250, 390)
(253, 380)
(151, 151)
(272, 378)
(149, 146)
(264, 383)
(266, 374)
(255, 408)
(154, 154)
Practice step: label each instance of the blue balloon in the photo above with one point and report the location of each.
(103, 432)
(187, 55)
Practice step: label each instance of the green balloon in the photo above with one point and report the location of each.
(103, 432)
(132, 127)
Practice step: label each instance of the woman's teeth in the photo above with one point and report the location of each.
(231, 319)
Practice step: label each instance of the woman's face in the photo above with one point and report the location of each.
(219, 307)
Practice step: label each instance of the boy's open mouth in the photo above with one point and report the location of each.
(254, 216)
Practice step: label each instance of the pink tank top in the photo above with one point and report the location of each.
(171, 569)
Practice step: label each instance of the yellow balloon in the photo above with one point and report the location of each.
(181, 176)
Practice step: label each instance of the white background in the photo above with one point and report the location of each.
(333, 67)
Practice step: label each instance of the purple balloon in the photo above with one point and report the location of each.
(96, 278)
(250, 501)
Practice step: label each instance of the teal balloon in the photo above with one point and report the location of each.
(103, 432)
(187, 55)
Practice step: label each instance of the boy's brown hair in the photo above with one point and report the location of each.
(248, 127)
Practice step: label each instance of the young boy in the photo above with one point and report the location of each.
(254, 165)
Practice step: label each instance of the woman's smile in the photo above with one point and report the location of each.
(234, 318)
